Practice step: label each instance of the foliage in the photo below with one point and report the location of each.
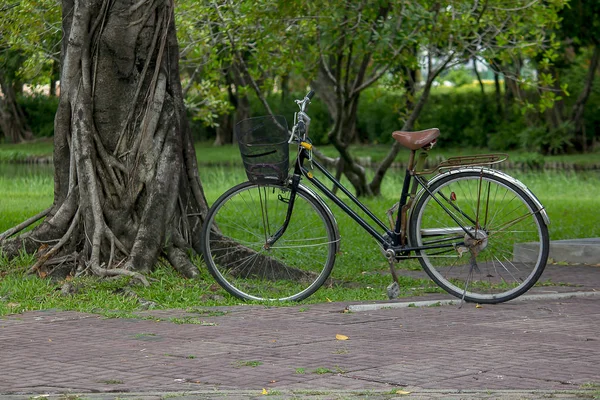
(274, 44)
(463, 115)
(543, 139)
(457, 76)
(39, 111)
(32, 27)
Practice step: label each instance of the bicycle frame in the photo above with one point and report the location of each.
(391, 239)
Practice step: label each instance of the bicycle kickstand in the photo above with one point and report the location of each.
(393, 289)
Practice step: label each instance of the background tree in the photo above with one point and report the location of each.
(13, 124)
(29, 52)
(242, 48)
(579, 36)
(126, 179)
(358, 42)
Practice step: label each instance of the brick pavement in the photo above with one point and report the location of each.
(434, 352)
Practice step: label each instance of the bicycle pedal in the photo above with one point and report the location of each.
(393, 290)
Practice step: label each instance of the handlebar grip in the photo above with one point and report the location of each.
(310, 94)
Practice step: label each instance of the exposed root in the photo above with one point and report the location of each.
(180, 260)
(104, 272)
(42, 260)
(24, 225)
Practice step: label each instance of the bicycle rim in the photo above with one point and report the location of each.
(505, 249)
(237, 253)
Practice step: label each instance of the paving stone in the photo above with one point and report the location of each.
(539, 346)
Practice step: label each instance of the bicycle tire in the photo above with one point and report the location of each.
(235, 250)
(510, 247)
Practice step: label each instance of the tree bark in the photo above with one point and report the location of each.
(127, 188)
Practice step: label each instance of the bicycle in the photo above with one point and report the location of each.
(478, 233)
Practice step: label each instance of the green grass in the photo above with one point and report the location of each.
(228, 155)
(252, 363)
(571, 201)
(23, 151)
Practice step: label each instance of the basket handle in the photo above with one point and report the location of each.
(261, 154)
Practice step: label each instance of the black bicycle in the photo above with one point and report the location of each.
(478, 233)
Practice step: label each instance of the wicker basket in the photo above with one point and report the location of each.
(264, 147)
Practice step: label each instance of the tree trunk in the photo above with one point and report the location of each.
(380, 172)
(126, 179)
(375, 184)
(481, 87)
(239, 101)
(498, 93)
(13, 124)
(343, 111)
(579, 106)
(54, 77)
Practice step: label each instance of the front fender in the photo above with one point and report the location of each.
(494, 172)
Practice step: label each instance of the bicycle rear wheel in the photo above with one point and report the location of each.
(239, 257)
(505, 249)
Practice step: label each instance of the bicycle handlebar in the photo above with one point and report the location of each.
(301, 119)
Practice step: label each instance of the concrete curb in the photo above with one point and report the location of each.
(429, 303)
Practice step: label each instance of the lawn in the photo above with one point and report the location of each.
(571, 200)
(228, 155)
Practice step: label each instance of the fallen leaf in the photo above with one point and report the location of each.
(402, 392)
(478, 306)
(265, 391)
(341, 337)
(13, 305)
(272, 381)
(329, 300)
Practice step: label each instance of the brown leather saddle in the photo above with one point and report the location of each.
(416, 140)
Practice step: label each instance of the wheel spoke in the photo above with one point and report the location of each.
(238, 254)
(505, 220)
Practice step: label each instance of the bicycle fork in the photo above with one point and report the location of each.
(270, 241)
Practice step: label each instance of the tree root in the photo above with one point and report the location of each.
(104, 272)
(42, 260)
(24, 224)
(180, 260)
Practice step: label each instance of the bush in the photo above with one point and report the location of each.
(320, 122)
(39, 111)
(464, 117)
(459, 77)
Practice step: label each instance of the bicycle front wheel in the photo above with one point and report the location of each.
(238, 252)
(487, 239)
